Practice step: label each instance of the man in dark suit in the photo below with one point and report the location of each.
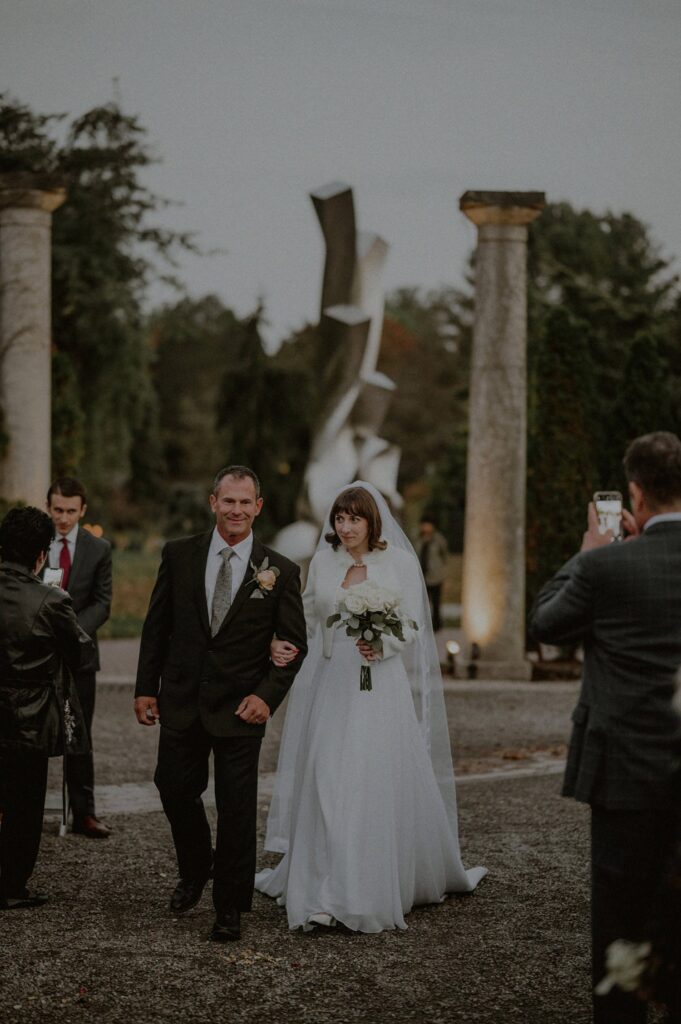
(85, 561)
(623, 602)
(205, 672)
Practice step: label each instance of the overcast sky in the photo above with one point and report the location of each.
(251, 104)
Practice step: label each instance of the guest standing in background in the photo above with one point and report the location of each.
(86, 564)
(432, 551)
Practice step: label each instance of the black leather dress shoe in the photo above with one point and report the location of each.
(227, 927)
(187, 894)
(23, 900)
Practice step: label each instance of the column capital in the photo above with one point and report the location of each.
(502, 207)
(22, 189)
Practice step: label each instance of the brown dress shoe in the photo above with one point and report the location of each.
(91, 827)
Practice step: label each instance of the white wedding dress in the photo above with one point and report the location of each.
(358, 812)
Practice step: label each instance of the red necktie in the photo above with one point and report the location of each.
(65, 562)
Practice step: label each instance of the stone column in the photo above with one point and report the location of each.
(26, 205)
(494, 538)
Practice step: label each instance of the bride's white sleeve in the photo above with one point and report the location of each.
(408, 572)
(309, 602)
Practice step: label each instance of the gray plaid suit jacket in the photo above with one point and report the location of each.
(623, 602)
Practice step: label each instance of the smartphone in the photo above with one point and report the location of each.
(53, 577)
(609, 511)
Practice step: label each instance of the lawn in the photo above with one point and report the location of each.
(134, 573)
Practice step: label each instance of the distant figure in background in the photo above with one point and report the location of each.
(623, 602)
(40, 645)
(432, 551)
(86, 564)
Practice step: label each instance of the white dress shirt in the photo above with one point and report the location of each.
(56, 547)
(241, 556)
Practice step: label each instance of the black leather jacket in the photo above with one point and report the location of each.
(41, 645)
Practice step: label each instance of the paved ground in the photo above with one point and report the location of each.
(105, 948)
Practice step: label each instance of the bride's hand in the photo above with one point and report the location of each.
(282, 652)
(367, 651)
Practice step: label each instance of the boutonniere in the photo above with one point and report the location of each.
(264, 577)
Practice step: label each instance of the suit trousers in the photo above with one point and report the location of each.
(80, 771)
(630, 850)
(24, 787)
(181, 778)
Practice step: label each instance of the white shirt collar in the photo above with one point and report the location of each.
(70, 536)
(663, 517)
(242, 550)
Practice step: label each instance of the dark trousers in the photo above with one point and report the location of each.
(181, 778)
(80, 771)
(434, 596)
(24, 787)
(629, 853)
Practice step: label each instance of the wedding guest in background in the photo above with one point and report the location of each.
(40, 640)
(623, 602)
(432, 551)
(86, 564)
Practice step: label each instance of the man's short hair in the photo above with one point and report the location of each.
(241, 473)
(25, 533)
(68, 487)
(653, 462)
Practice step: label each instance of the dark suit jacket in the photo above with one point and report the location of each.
(623, 602)
(207, 677)
(39, 638)
(90, 588)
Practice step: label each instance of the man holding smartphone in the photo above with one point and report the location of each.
(623, 602)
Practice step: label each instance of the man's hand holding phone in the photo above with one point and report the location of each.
(596, 537)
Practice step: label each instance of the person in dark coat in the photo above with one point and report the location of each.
(41, 644)
(623, 602)
(205, 670)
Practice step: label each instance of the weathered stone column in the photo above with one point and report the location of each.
(26, 205)
(494, 538)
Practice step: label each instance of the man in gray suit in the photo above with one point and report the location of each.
(623, 602)
(85, 561)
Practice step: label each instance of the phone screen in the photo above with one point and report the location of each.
(609, 511)
(53, 577)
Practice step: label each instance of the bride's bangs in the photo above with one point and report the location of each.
(355, 501)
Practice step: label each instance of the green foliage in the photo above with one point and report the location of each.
(644, 401)
(604, 366)
(264, 414)
(194, 343)
(105, 421)
(68, 418)
(561, 455)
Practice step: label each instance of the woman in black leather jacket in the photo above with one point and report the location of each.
(40, 646)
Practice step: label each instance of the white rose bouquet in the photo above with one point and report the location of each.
(369, 612)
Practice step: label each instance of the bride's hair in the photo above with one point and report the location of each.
(355, 501)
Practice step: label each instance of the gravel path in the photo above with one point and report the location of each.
(106, 948)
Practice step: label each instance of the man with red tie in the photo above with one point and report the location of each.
(85, 561)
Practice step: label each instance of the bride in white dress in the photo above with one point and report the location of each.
(364, 808)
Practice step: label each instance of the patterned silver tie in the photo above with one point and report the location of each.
(222, 596)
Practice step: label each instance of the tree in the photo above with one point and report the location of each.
(606, 271)
(563, 445)
(104, 253)
(265, 410)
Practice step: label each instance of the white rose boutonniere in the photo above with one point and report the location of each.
(264, 578)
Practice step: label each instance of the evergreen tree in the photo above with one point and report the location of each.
(644, 402)
(562, 471)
